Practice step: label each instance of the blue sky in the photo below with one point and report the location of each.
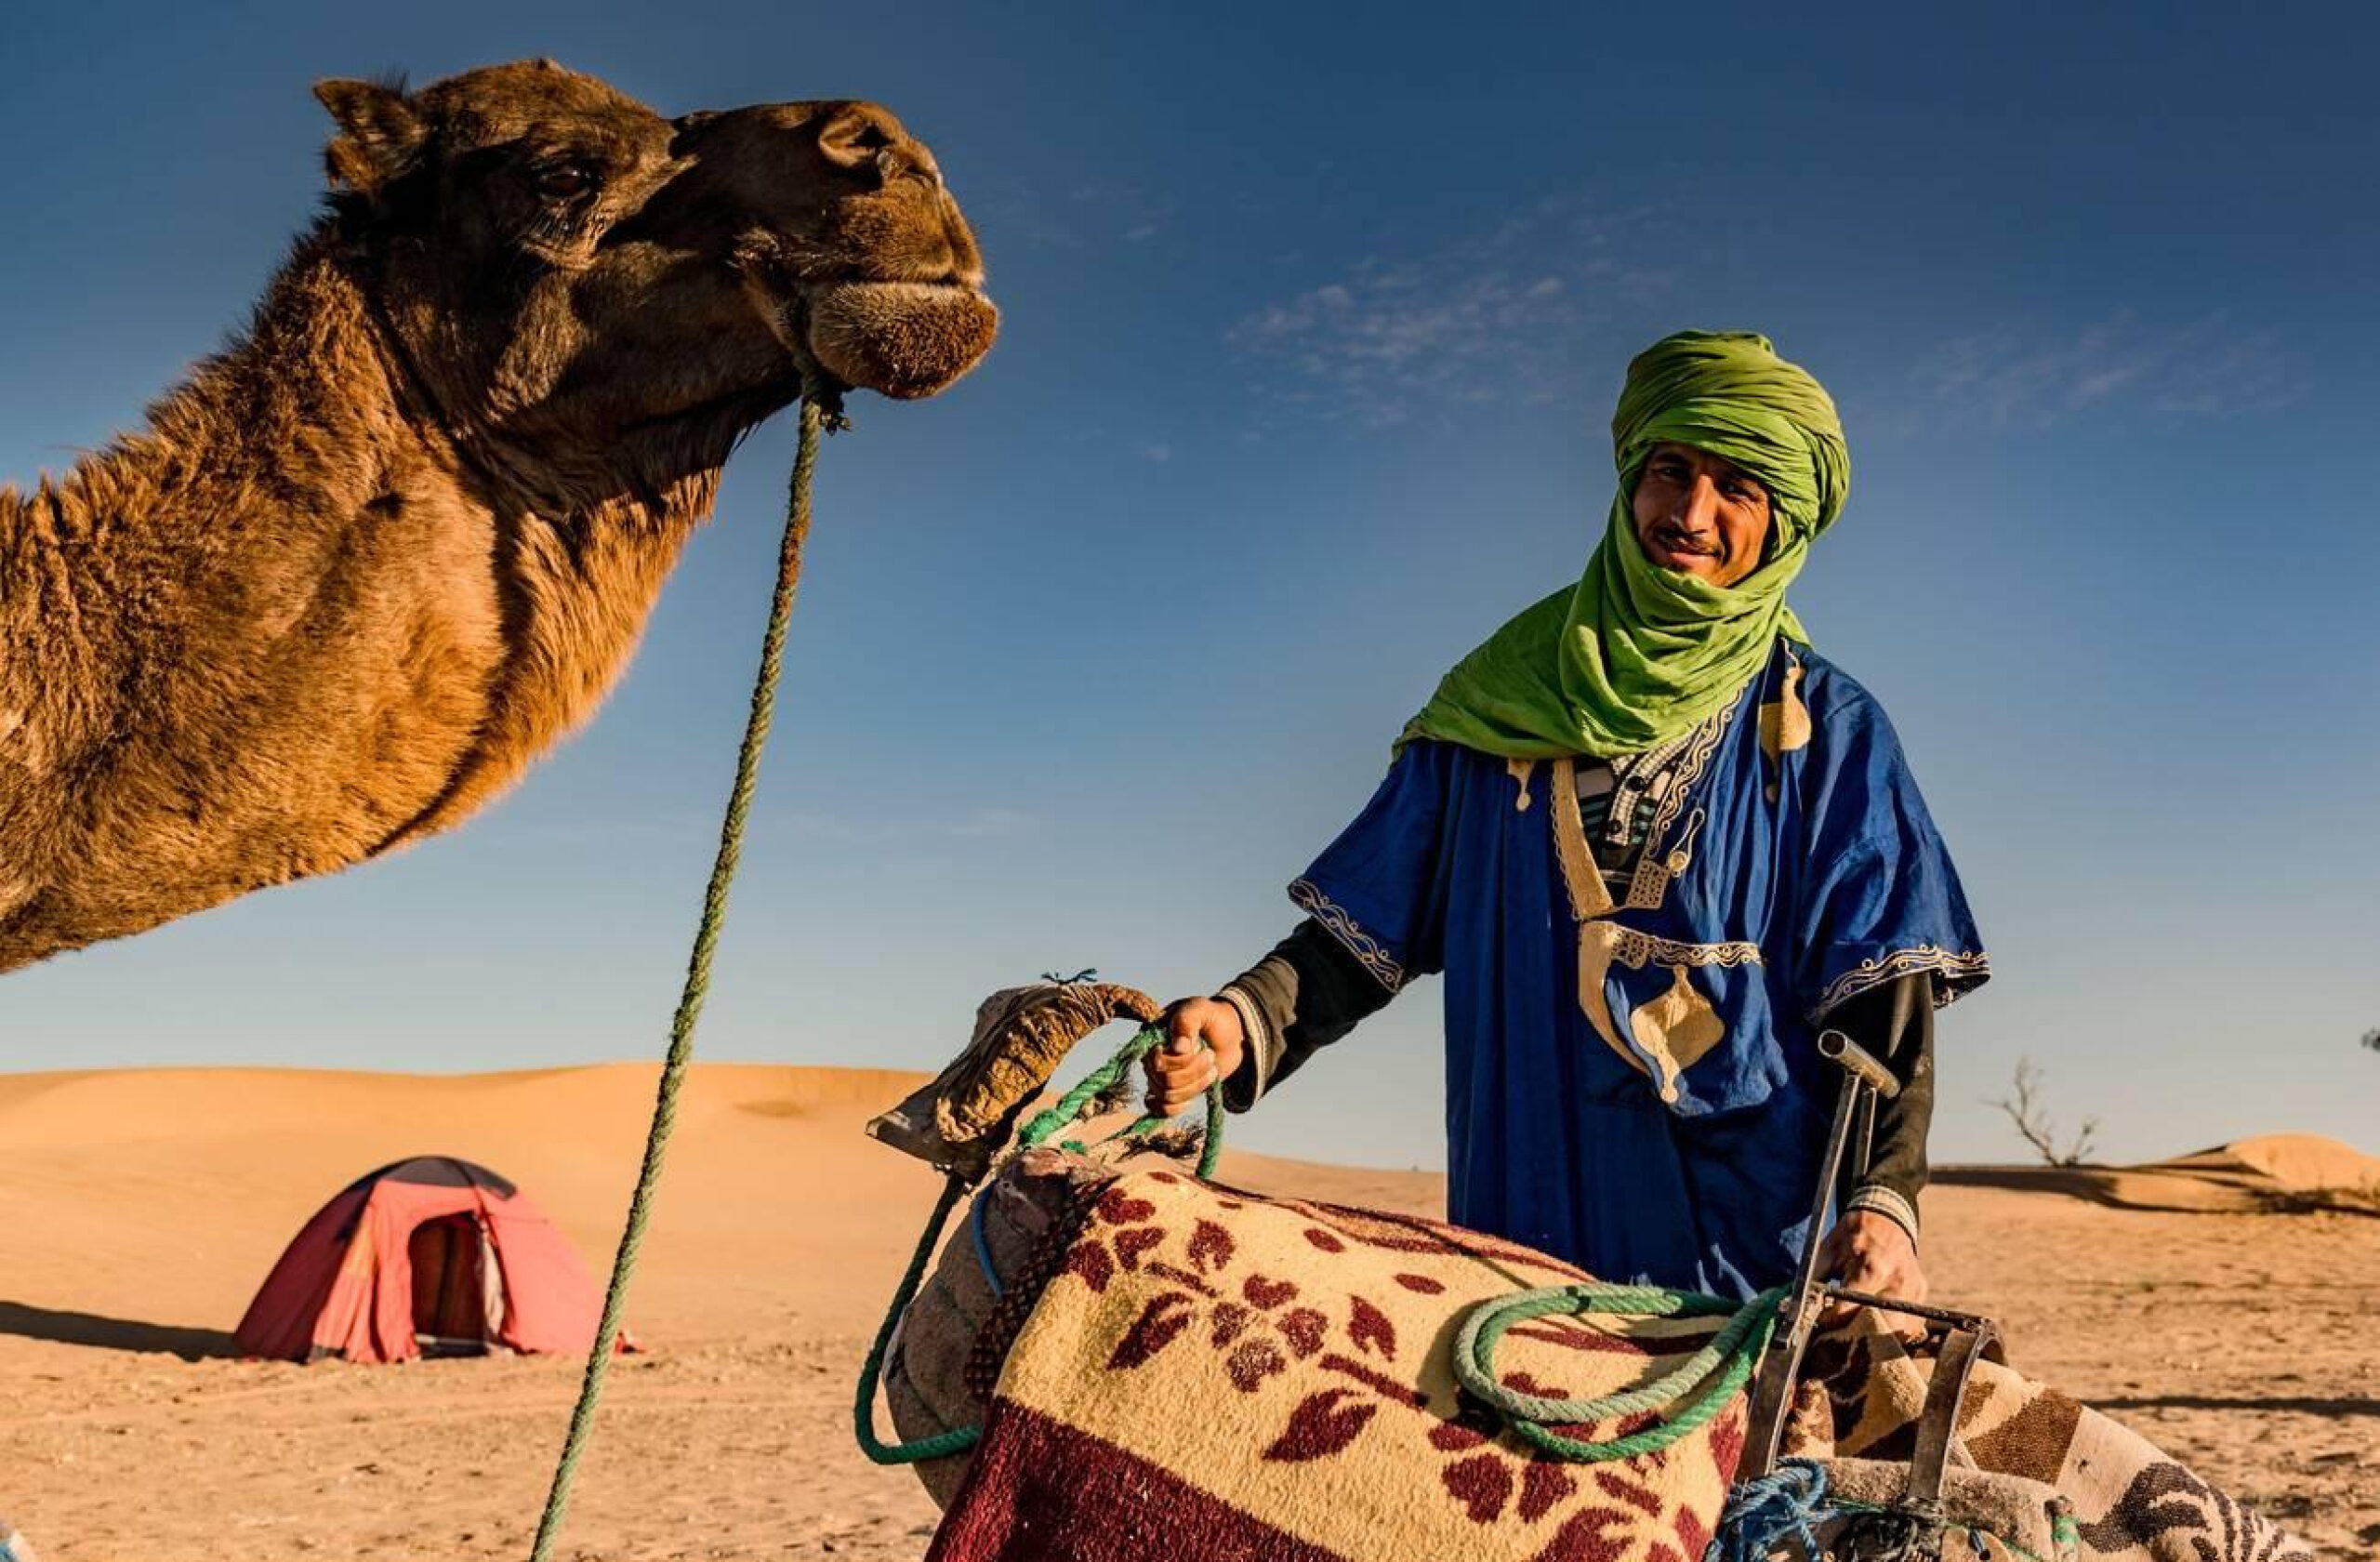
(1313, 320)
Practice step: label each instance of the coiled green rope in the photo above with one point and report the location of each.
(1727, 1362)
(821, 410)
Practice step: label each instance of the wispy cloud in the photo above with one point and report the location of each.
(1088, 215)
(1124, 211)
(2013, 375)
(1491, 317)
(1153, 450)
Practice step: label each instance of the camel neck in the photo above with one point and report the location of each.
(285, 627)
(304, 405)
(278, 442)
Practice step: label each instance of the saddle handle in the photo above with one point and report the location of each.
(1937, 1424)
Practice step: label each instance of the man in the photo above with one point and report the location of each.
(1657, 844)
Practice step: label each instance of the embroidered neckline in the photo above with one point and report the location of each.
(1660, 860)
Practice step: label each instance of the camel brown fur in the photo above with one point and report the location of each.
(402, 535)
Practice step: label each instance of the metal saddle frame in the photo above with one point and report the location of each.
(1967, 1336)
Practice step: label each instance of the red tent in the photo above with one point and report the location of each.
(431, 1253)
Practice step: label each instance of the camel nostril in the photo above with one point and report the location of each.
(853, 138)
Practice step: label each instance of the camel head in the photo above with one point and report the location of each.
(596, 293)
(400, 536)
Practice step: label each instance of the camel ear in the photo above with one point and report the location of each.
(382, 133)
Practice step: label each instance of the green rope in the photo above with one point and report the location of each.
(959, 1439)
(820, 410)
(1101, 1079)
(1044, 1127)
(1726, 1361)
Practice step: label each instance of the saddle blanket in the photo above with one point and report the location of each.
(1215, 1376)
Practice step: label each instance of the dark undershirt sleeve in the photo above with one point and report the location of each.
(1306, 994)
(1894, 1023)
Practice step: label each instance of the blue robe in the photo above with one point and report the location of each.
(1667, 1129)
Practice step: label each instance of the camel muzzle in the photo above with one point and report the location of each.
(903, 339)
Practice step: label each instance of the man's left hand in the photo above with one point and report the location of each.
(1871, 1252)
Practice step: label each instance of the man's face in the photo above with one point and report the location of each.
(1700, 514)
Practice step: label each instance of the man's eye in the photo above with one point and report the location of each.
(561, 181)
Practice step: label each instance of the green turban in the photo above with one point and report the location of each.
(1635, 653)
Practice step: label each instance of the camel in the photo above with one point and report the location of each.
(400, 536)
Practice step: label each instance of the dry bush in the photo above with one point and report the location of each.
(2025, 1109)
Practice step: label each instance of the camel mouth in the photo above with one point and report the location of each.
(904, 339)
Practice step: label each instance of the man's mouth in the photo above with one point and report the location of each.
(1682, 546)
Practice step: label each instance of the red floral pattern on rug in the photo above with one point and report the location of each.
(1289, 1361)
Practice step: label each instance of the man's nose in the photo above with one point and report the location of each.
(1700, 510)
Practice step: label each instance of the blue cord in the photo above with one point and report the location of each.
(1789, 1499)
(983, 1246)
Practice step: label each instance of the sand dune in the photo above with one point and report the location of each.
(2278, 1171)
(141, 1209)
(2295, 1160)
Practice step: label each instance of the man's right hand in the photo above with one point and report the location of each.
(1180, 1071)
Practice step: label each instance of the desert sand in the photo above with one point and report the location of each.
(141, 1209)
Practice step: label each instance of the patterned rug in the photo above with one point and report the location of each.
(1211, 1376)
(1863, 1390)
(1215, 1376)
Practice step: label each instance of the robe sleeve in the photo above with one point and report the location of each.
(1378, 888)
(1375, 905)
(1884, 900)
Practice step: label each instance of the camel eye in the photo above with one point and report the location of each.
(565, 181)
